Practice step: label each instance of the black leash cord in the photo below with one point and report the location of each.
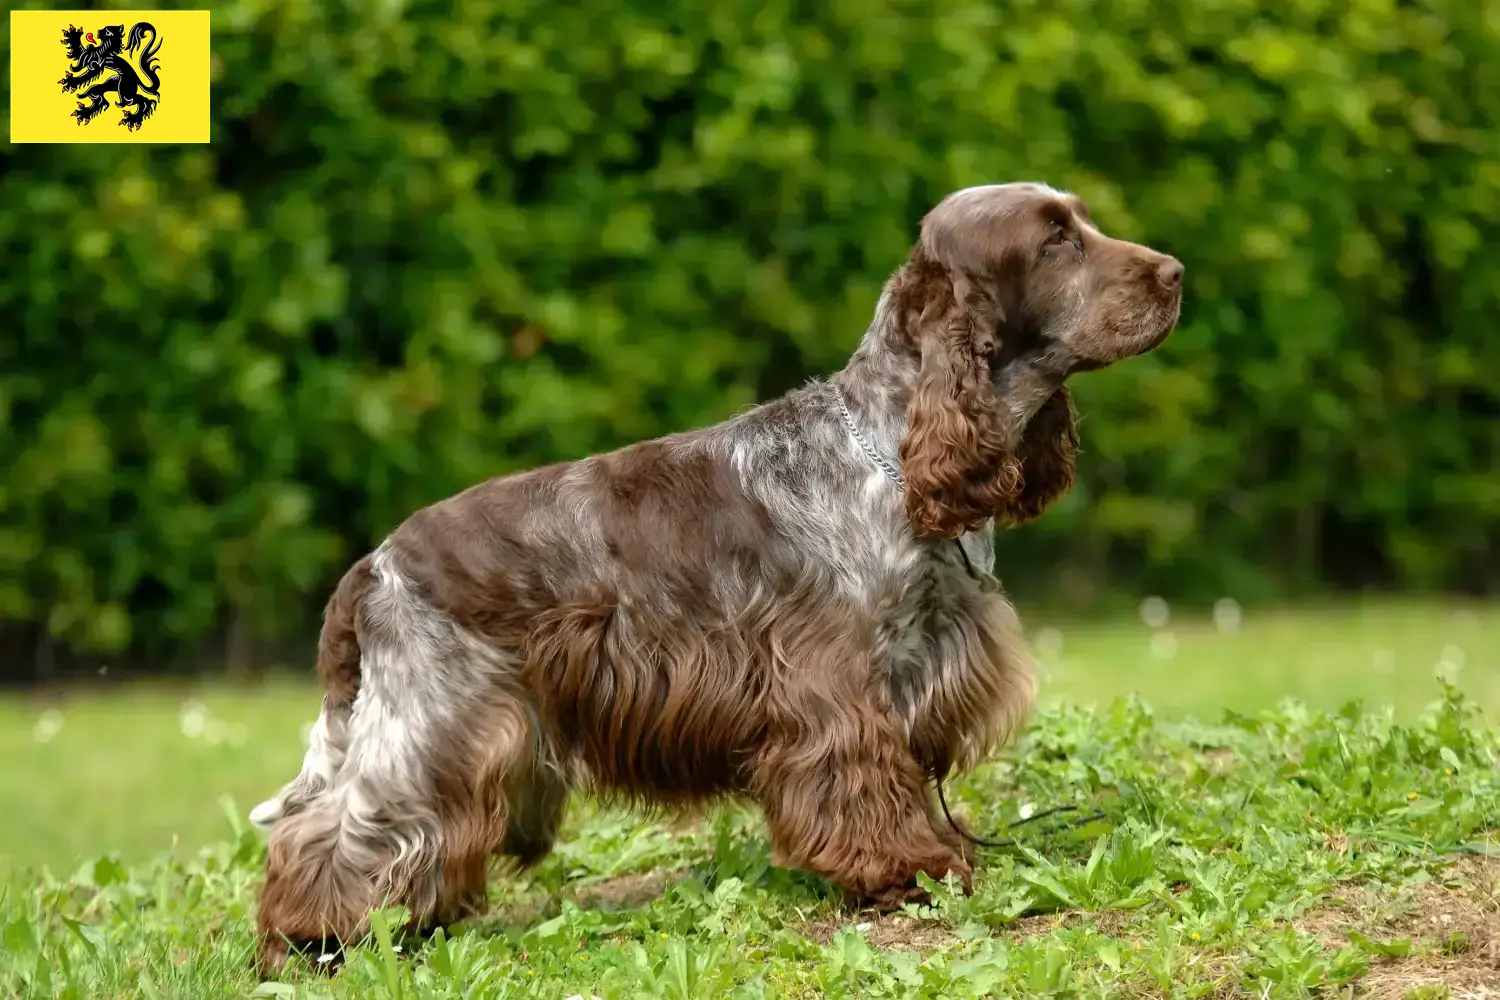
(942, 800)
(982, 842)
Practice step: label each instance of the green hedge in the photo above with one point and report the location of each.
(430, 243)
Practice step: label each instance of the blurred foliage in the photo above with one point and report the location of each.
(431, 243)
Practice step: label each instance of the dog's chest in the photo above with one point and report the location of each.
(946, 587)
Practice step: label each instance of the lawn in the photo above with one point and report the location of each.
(1281, 849)
(132, 771)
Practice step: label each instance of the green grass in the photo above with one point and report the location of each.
(1275, 855)
(1285, 848)
(122, 773)
(131, 772)
(1384, 652)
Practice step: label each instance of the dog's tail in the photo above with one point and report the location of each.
(338, 642)
(339, 675)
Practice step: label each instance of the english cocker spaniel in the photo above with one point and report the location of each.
(794, 605)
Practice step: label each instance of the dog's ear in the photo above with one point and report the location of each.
(956, 456)
(1048, 451)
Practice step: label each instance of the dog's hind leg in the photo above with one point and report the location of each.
(500, 790)
(538, 796)
(338, 671)
(438, 738)
(326, 746)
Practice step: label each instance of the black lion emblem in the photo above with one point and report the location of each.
(138, 94)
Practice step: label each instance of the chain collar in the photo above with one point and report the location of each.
(864, 443)
(987, 581)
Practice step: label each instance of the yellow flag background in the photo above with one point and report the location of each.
(41, 111)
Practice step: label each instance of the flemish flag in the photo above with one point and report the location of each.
(109, 76)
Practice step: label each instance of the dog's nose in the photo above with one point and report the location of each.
(1169, 272)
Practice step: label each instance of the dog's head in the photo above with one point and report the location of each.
(1010, 289)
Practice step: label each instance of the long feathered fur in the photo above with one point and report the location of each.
(750, 608)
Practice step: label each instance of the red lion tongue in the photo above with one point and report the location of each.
(89, 36)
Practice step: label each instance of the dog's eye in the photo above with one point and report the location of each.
(1060, 237)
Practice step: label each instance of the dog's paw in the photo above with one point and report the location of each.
(899, 892)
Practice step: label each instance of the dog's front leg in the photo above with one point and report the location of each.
(845, 798)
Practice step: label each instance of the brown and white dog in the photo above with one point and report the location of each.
(793, 605)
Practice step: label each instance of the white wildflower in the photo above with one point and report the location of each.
(48, 725)
(1228, 615)
(1154, 612)
(193, 719)
(1049, 642)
